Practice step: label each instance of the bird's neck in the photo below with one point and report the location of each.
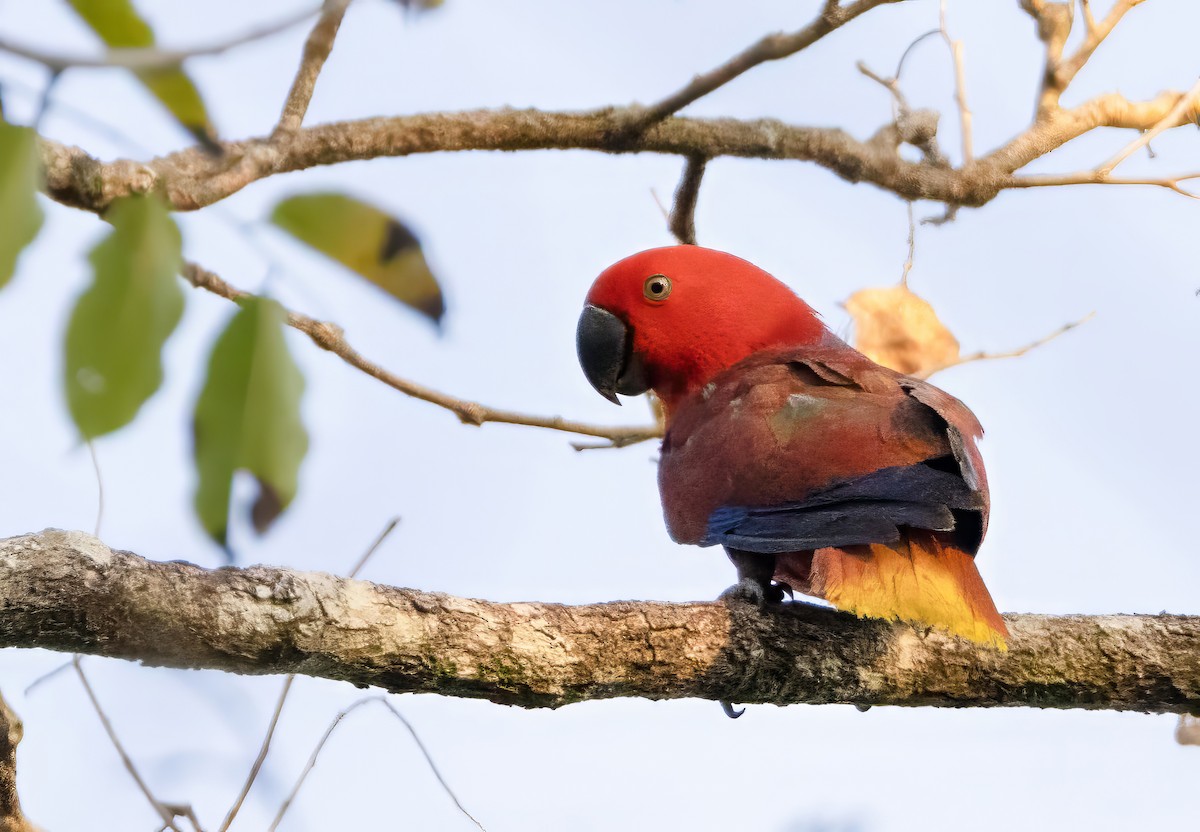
(690, 370)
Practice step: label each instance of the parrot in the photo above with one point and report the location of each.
(818, 470)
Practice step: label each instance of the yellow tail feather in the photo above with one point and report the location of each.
(919, 580)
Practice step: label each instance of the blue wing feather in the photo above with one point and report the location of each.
(870, 509)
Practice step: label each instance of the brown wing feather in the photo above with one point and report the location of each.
(782, 426)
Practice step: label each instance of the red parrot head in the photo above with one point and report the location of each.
(670, 319)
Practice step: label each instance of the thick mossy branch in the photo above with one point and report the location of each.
(68, 591)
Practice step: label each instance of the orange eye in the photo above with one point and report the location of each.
(657, 287)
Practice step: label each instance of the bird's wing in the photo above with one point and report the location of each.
(800, 450)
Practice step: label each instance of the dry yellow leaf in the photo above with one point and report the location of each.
(899, 329)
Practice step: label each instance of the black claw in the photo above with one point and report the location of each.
(729, 710)
(862, 709)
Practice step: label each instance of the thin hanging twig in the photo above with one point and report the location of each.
(312, 760)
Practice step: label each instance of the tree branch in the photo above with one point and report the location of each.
(1183, 111)
(11, 817)
(960, 85)
(769, 48)
(316, 51)
(682, 220)
(1092, 177)
(152, 57)
(1097, 31)
(1111, 110)
(68, 591)
(1054, 21)
(330, 337)
(192, 178)
(1053, 28)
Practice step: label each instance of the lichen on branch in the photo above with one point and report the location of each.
(68, 591)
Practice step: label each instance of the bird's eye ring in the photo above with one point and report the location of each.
(657, 287)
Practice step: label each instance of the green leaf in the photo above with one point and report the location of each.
(120, 26)
(368, 241)
(117, 22)
(248, 418)
(120, 322)
(20, 214)
(179, 95)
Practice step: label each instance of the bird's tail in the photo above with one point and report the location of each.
(919, 579)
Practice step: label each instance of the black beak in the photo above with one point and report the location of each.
(606, 355)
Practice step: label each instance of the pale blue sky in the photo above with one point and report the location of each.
(1090, 447)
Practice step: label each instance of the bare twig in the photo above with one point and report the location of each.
(316, 51)
(337, 720)
(165, 813)
(1091, 177)
(1053, 21)
(912, 246)
(152, 57)
(1097, 31)
(909, 50)
(683, 214)
(892, 85)
(329, 337)
(83, 118)
(1089, 17)
(256, 766)
(960, 84)
(47, 676)
(12, 819)
(1184, 109)
(990, 356)
(287, 687)
(662, 209)
(91, 446)
(770, 48)
(374, 547)
(45, 99)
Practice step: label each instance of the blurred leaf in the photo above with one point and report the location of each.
(117, 22)
(20, 214)
(248, 418)
(120, 26)
(120, 322)
(177, 92)
(419, 5)
(899, 329)
(367, 241)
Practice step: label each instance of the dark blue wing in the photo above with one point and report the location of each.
(870, 509)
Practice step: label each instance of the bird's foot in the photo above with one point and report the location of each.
(750, 590)
(730, 711)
